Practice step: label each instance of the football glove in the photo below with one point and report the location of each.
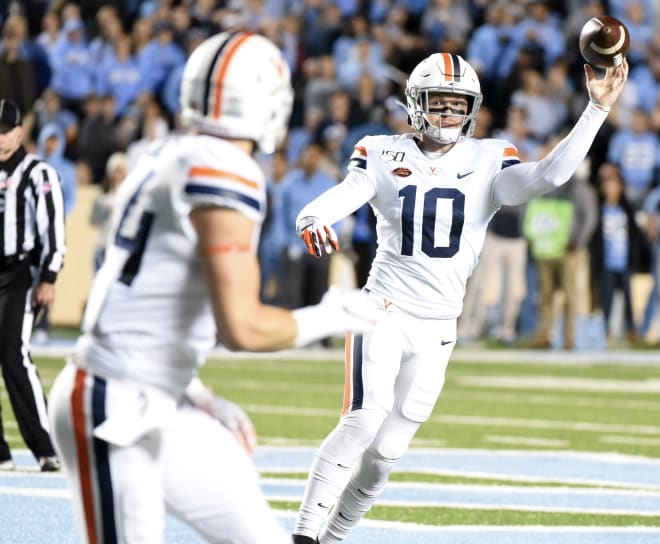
(230, 415)
(318, 238)
(235, 420)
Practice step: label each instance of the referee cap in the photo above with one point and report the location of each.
(10, 116)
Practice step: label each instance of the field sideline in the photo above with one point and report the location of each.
(562, 446)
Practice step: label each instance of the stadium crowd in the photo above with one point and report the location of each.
(98, 80)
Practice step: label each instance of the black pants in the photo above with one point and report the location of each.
(304, 280)
(610, 282)
(18, 371)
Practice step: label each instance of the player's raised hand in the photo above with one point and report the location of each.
(320, 239)
(604, 91)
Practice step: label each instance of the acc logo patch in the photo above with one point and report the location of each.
(401, 172)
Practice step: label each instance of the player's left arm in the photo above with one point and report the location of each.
(522, 182)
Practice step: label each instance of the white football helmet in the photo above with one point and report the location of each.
(442, 73)
(238, 85)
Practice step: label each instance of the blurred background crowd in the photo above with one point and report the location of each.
(99, 80)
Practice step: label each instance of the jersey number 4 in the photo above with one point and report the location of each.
(408, 197)
(133, 231)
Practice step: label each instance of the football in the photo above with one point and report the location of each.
(604, 41)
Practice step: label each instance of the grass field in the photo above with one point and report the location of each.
(532, 407)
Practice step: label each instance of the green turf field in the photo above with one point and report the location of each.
(485, 405)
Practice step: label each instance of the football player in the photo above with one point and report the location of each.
(433, 193)
(180, 269)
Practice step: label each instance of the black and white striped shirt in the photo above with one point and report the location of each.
(31, 214)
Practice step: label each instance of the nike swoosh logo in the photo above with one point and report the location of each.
(342, 516)
(322, 505)
(445, 342)
(461, 176)
(341, 466)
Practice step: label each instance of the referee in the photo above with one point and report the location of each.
(31, 252)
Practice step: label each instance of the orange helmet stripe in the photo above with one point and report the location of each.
(449, 70)
(222, 70)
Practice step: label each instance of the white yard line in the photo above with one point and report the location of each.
(560, 383)
(526, 441)
(519, 423)
(563, 401)
(460, 355)
(634, 441)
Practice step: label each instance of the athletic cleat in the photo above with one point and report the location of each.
(300, 539)
(49, 464)
(7, 464)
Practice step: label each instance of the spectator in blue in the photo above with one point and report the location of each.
(17, 71)
(618, 8)
(49, 110)
(74, 70)
(120, 75)
(29, 50)
(652, 230)
(615, 248)
(636, 152)
(50, 145)
(356, 27)
(488, 42)
(641, 31)
(171, 89)
(298, 138)
(534, 99)
(645, 79)
(540, 29)
(447, 23)
(273, 238)
(305, 278)
(319, 36)
(102, 46)
(160, 56)
(415, 10)
(364, 55)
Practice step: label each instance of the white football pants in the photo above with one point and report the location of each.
(154, 456)
(394, 376)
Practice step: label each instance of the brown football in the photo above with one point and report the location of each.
(604, 41)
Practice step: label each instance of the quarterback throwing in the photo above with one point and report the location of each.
(433, 194)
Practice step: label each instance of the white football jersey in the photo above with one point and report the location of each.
(432, 214)
(149, 315)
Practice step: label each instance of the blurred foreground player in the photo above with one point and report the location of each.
(433, 194)
(180, 268)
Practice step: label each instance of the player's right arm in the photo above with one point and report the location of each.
(232, 273)
(522, 182)
(314, 221)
